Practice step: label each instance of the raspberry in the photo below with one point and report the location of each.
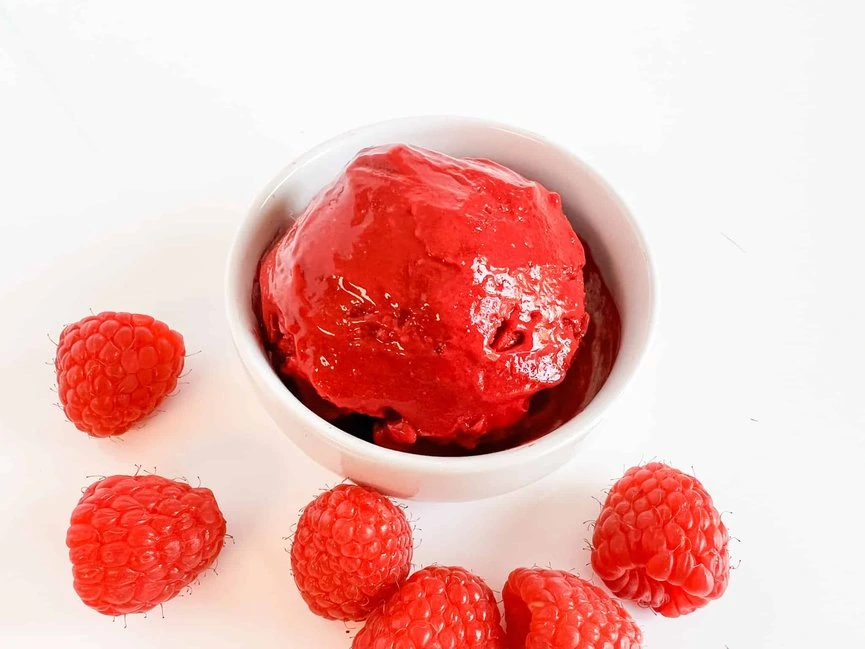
(136, 541)
(660, 542)
(437, 608)
(352, 549)
(553, 609)
(114, 369)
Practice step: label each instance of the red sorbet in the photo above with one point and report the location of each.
(436, 294)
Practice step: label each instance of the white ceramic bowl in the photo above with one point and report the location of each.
(597, 215)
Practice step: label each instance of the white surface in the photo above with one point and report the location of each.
(132, 141)
(596, 213)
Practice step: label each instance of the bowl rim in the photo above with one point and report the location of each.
(261, 371)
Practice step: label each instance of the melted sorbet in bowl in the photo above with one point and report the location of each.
(436, 305)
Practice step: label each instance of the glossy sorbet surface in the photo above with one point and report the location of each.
(434, 295)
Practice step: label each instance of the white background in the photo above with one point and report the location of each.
(133, 136)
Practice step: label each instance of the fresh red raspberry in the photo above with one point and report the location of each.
(136, 541)
(553, 609)
(660, 542)
(437, 608)
(114, 369)
(351, 550)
